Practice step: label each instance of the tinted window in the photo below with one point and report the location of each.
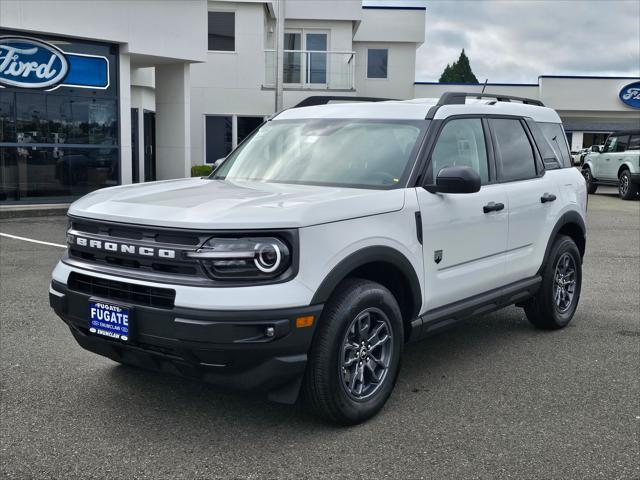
(555, 136)
(219, 140)
(623, 143)
(461, 142)
(377, 63)
(222, 27)
(514, 150)
(634, 142)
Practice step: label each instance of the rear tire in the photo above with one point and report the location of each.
(626, 188)
(588, 176)
(355, 356)
(555, 303)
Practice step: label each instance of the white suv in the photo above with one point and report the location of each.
(615, 164)
(328, 239)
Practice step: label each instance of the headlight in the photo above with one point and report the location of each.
(258, 258)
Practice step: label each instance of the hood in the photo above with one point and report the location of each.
(216, 204)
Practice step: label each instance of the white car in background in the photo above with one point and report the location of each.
(617, 164)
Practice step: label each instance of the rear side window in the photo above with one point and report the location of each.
(623, 144)
(554, 133)
(514, 150)
(634, 142)
(461, 143)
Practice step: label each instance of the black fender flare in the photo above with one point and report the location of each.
(571, 217)
(370, 255)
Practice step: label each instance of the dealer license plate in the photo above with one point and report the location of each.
(109, 320)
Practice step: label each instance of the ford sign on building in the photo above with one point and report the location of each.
(30, 63)
(630, 95)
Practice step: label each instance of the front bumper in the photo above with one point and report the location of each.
(230, 349)
(635, 178)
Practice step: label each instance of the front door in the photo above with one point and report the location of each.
(149, 146)
(464, 247)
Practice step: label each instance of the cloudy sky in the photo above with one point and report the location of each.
(514, 41)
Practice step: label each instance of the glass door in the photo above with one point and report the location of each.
(316, 43)
(305, 57)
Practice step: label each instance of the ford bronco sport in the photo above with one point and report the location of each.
(328, 239)
(616, 164)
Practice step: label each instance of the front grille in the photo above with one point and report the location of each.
(121, 291)
(178, 241)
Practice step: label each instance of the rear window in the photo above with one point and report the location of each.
(634, 142)
(554, 133)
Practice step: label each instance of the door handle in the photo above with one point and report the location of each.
(493, 207)
(547, 197)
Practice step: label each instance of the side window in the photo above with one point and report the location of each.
(557, 139)
(610, 145)
(461, 142)
(634, 142)
(623, 144)
(514, 150)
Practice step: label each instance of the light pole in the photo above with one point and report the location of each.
(279, 53)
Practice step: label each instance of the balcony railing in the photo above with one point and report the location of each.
(312, 69)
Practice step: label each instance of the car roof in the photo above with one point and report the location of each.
(417, 109)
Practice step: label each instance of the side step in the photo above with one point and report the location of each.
(445, 317)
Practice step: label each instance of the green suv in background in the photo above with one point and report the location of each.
(615, 164)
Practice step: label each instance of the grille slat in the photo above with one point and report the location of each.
(126, 292)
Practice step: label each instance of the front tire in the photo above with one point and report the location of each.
(355, 356)
(588, 176)
(626, 188)
(555, 303)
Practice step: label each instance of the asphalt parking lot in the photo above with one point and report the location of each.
(492, 398)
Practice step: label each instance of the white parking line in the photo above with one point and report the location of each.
(24, 239)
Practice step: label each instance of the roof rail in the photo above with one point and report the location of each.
(324, 99)
(460, 98)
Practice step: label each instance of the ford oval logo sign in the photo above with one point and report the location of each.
(631, 95)
(29, 63)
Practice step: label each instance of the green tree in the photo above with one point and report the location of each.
(459, 72)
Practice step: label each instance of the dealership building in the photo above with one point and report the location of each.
(97, 93)
(590, 107)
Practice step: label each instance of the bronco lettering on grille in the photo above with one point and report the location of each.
(122, 247)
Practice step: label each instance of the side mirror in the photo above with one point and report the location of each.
(596, 149)
(456, 180)
(217, 163)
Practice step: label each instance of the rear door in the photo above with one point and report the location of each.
(464, 247)
(607, 166)
(533, 196)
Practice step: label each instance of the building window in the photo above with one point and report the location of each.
(222, 27)
(377, 62)
(225, 132)
(246, 126)
(218, 137)
(60, 144)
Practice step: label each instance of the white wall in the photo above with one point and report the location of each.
(391, 25)
(401, 64)
(170, 29)
(594, 94)
(323, 9)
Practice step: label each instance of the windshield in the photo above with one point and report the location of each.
(338, 152)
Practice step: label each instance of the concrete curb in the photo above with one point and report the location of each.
(26, 211)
